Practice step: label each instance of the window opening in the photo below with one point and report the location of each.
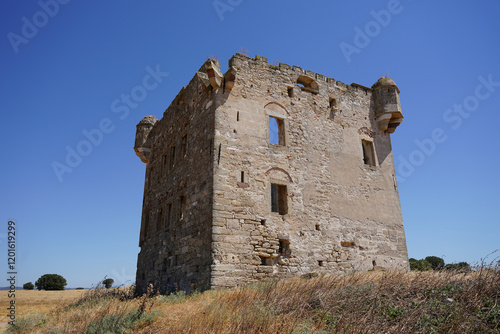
(184, 146)
(279, 199)
(368, 153)
(182, 204)
(172, 156)
(284, 247)
(266, 261)
(242, 176)
(159, 219)
(276, 130)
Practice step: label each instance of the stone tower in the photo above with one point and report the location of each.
(268, 171)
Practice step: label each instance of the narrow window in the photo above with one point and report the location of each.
(284, 248)
(276, 130)
(317, 227)
(237, 116)
(159, 219)
(182, 204)
(279, 199)
(242, 176)
(320, 263)
(164, 164)
(184, 146)
(368, 153)
(263, 222)
(168, 216)
(290, 91)
(333, 104)
(172, 156)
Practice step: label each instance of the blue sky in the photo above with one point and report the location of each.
(67, 69)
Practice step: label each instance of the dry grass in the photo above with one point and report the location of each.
(38, 302)
(388, 302)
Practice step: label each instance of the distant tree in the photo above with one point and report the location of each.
(108, 282)
(79, 288)
(51, 282)
(28, 286)
(435, 261)
(460, 266)
(419, 265)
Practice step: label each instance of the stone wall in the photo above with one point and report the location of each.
(177, 206)
(342, 214)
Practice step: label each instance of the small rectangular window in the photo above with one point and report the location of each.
(279, 199)
(320, 263)
(184, 146)
(237, 116)
(276, 130)
(242, 179)
(172, 156)
(164, 164)
(168, 215)
(368, 153)
(284, 248)
(182, 205)
(159, 219)
(290, 91)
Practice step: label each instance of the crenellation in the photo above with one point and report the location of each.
(268, 171)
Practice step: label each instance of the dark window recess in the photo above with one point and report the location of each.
(320, 263)
(237, 116)
(168, 216)
(284, 248)
(263, 222)
(318, 228)
(159, 219)
(368, 153)
(290, 91)
(182, 205)
(242, 179)
(172, 156)
(184, 146)
(164, 164)
(279, 199)
(266, 261)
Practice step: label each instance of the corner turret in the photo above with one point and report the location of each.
(387, 105)
(141, 147)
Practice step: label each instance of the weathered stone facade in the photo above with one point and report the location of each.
(268, 171)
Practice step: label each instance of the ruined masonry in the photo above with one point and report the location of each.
(268, 171)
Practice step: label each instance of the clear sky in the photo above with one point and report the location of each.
(71, 67)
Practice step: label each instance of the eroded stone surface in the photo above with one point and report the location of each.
(212, 174)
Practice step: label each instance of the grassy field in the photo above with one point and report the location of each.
(376, 302)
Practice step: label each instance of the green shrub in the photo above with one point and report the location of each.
(435, 262)
(420, 265)
(28, 286)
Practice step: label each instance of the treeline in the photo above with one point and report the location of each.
(437, 263)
